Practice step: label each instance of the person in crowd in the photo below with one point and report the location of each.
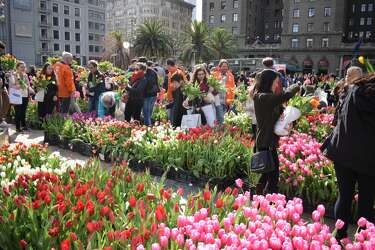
(50, 97)
(283, 79)
(32, 72)
(353, 73)
(96, 85)
(65, 82)
(178, 110)
(268, 63)
(136, 93)
(4, 99)
(351, 148)
(200, 76)
(107, 104)
(250, 110)
(20, 81)
(268, 100)
(172, 69)
(151, 91)
(226, 78)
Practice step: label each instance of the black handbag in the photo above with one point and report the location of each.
(262, 162)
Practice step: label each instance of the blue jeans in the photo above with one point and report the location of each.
(220, 112)
(92, 106)
(148, 108)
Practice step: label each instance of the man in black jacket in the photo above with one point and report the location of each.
(351, 148)
(151, 91)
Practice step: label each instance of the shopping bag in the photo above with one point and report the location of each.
(217, 100)
(191, 121)
(210, 114)
(15, 96)
(119, 112)
(289, 115)
(39, 96)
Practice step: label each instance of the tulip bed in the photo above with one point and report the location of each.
(202, 153)
(88, 207)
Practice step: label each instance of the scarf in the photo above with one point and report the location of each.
(136, 76)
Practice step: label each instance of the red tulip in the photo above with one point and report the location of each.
(219, 203)
(73, 236)
(111, 236)
(90, 227)
(23, 244)
(104, 211)
(60, 197)
(68, 224)
(36, 204)
(132, 201)
(160, 213)
(140, 187)
(207, 195)
(107, 248)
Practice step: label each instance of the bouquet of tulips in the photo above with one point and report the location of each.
(8, 62)
(41, 82)
(105, 66)
(192, 91)
(215, 84)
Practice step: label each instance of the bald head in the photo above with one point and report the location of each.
(67, 57)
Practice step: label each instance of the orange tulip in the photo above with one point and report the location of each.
(314, 103)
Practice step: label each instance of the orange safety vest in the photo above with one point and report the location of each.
(229, 85)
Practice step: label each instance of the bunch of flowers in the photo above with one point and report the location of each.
(82, 74)
(215, 84)
(8, 62)
(304, 104)
(192, 91)
(42, 82)
(305, 171)
(318, 125)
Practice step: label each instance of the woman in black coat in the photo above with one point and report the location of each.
(178, 98)
(50, 97)
(352, 150)
(268, 100)
(136, 93)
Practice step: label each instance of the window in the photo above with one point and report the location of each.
(326, 27)
(310, 27)
(55, 21)
(43, 19)
(212, 6)
(77, 24)
(325, 42)
(67, 36)
(276, 37)
(235, 17)
(311, 12)
(295, 28)
(212, 19)
(91, 48)
(78, 37)
(296, 13)
(327, 11)
(353, 8)
(56, 34)
(43, 33)
(363, 7)
(91, 37)
(235, 4)
(370, 7)
(97, 49)
(350, 34)
(66, 10)
(361, 34)
(77, 12)
(223, 18)
(368, 34)
(223, 4)
(56, 47)
(66, 23)
(362, 21)
(351, 22)
(235, 31)
(55, 8)
(78, 49)
(43, 5)
(369, 21)
(309, 43)
(267, 37)
(295, 43)
(67, 47)
(76, 1)
(44, 46)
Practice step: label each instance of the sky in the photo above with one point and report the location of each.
(197, 14)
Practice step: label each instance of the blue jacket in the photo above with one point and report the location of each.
(102, 110)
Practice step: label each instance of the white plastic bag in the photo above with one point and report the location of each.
(210, 114)
(191, 121)
(217, 100)
(15, 96)
(119, 112)
(39, 96)
(289, 115)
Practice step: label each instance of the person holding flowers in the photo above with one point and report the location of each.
(47, 83)
(136, 93)
(178, 110)
(4, 99)
(226, 96)
(96, 85)
(20, 81)
(268, 100)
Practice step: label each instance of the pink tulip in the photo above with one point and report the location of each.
(339, 224)
(155, 246)
(362, 222)
(141, 247)
(239, 183)
(316, 216)
(180, 240)
(163, 241)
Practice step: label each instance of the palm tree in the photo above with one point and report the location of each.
(197, 44)
(114, 47)
(222, 44)
(152, 40)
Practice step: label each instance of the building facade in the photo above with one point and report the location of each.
(309, 35)
(38, 29)
(127, 15)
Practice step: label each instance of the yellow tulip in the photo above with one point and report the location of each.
(361, 60)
